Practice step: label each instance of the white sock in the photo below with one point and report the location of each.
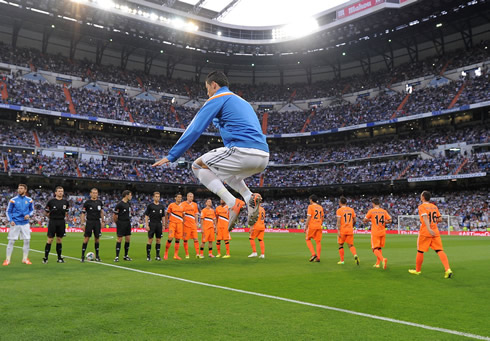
(213, 183)
(10, 248)
(240, 187)
(26, 248)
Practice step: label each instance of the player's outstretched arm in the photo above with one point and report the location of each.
(160, 162)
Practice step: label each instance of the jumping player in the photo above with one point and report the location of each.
(346, 218)
(19, 210)
(379, 218)
(191, 215)
(154, 221)
(93, 214)
(245, 153)
(208, 227)
(429, 236)
(257, 232)
(313, 228)
(175, 225)
(222, 218)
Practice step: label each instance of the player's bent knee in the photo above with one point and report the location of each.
(437, 251)
(195, 165)
(199, 164)
(260, 240)
(420, 251)
(341, 247)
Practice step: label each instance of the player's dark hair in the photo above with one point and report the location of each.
(343, 200)
(156, 192)
(23, 185)
(57, 188)
(375, 201)
(313, 198)
(125, 193)
(177, 194)
(218, 77)
(426, 195)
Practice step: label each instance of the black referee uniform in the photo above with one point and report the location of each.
(155, 213)
(92, 210)
(57, 210)
(123, 227)
(123, 224)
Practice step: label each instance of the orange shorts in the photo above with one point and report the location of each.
(377, 241)
(346, 238)
(424, 243)
(175, 230)
(190, 233)
(223, 234)
(207, 235)
(259, 234)
(315, 234)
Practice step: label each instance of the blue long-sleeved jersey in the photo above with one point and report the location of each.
(236, 119)
(18, 207)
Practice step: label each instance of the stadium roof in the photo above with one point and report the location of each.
(257, 12)
(163, 29)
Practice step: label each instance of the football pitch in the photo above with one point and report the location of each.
(282, 297)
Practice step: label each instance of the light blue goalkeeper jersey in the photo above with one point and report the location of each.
(238, 124)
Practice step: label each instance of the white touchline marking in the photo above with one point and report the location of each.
(326, 307)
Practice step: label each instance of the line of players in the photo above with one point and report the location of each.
(429, 236)
(181, 220)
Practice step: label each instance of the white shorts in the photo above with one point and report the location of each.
(236, 162)
(22, 231)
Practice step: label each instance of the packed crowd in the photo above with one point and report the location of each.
(341, 113)
(32, 58)
(300, 154)
(305, 176)
(372, 160)
(471, 207)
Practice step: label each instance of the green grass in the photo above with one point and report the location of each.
(92, 301)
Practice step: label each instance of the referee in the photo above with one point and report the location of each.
(122, 213)
(57, 210)
(93, 214)
(155, 213)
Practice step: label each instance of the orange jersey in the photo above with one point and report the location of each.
(208, 216)
(260, 224)
(315, 211)
(222, 215)
(190, 211)
(432, 213)
(347, 216)
(175, 213)
(378, 217)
